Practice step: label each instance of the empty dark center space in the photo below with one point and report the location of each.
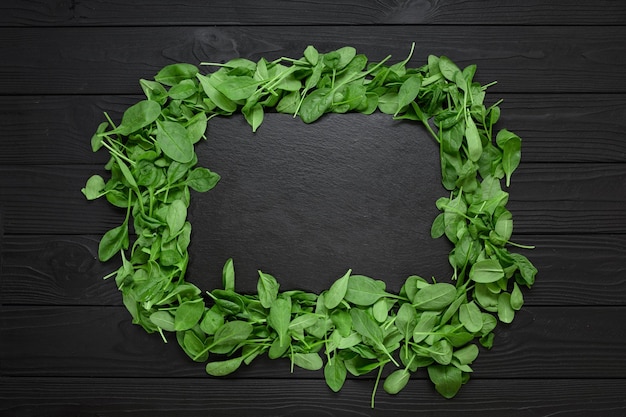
(307, 202)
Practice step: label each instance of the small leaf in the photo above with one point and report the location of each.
(303, 321)
(267, 288)
(222, 368)
(176, 217)
(174, 141)
(466, 355)
(311, 54)
(228, 275)
(96, 138)
(340, 58)
(138, 116)
(406, 319)
(435, 296)
(408, 92)
(202, 179)
(486, 271)
(232, 333)
(216, 96)
(438, 227)
(511, 145)
(447, 379)
(526, 268)
(337, 291)
(396, 381)
(163, 319)
(93, 188)
(253, 115)
(365, 325)
(196, 127)
(448, 68)
(193, 346)
(280, 317)
(308, 361)
(112, 242)
(315, 105)
(504, 225)
(425, 325)
(277, 350)
(441, 352)
(154, 91)
(188, 314)
(128, 176)
(183, 90)
(380, 311)
(487, 299)
(212, 321)
(237, 88)
(470, 316)
(517, 298)
(474, 145)
(506, 313)
(364, 291)
(342, 321)
(171, 75)
(335, 373)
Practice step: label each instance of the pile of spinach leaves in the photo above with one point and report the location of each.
(356, 326)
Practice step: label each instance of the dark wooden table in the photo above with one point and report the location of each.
(306, 202)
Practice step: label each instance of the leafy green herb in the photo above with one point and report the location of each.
(356, 326)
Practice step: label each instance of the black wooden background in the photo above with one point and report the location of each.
(305, 203)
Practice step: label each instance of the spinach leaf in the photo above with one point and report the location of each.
(174, 141)
(138, 116)
(223, 368)
(363, 290)
(396, 381)
(310, 361)
(173, 74)
(279, 318)
(228, 275)
(229, 335)
(486, 271)
(471, 317)
(267, 288)
(113, 242)
(435, 296)
(335, 373)
(337, 291)
(447, 379)
(188, 314)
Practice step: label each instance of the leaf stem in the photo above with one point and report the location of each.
(380, 372)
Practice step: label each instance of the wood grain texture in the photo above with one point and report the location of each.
(542, 342)
(529, 59)
(563, 128)
(545, 198)
(47, 397)
(63, 270)
(327, 12)
(306, 202)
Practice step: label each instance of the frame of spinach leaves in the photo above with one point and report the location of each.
(356, 326)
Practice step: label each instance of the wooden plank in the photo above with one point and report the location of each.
(300, 194)
(542, 342)
(568, 198)
(279, 397)
(554, 127)
(63, 270)
(327, 12)
(112, 60)
(54, 270)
